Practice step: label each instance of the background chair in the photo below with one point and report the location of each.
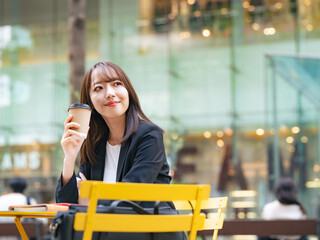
(214, 220)
(106, 222)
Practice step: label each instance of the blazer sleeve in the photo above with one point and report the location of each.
(149, 161)
(68, 193)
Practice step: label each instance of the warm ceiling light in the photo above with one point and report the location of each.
(304, 139)
(229, 132)
(255, 26)
(295, 130)
(206, 33)
(245, 4)
(269, 31)
(260, 132)
(220, 134)
(191, 2)
(220, 143)
(290, 139)
(207, 134)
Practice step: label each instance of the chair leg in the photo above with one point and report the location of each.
(20, 228)
(215, 234)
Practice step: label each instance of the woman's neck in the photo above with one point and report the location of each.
(116, 130)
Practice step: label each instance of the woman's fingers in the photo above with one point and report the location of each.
(78, 183)
(82, 176)
(72, 125)
(68, 119)
(68, 124)
(83, 201)
(71, 140)
(70, 133)
(80, 180)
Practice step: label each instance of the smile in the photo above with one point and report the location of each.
(112, 104)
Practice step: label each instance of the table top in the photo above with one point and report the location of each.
(43, 214)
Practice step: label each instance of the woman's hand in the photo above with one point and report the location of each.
(80, 180)
(71, 143)
(83, 201)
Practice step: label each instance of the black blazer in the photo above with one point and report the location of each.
(142, 160)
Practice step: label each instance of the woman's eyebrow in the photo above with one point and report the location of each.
(108, 80)
(112, 80)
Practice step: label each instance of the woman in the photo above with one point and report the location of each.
(286, 205)
(122, 145)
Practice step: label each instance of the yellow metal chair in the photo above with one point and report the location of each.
(214, 221)
(101, 222)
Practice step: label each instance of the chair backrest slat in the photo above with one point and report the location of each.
(213, 223)
(211, 203)
(145, 192)
(142, 223)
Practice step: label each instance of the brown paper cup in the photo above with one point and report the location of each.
(81, 114)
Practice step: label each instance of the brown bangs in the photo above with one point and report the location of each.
(104, 74)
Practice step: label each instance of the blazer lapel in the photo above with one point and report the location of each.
(97, 170)
(122, 158)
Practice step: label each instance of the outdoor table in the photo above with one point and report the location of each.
(18, 215)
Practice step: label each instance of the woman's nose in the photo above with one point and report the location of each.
(110, 92)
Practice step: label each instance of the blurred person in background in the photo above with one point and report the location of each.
(15, 197)
(285, 206)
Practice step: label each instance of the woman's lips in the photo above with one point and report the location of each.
(112, 104)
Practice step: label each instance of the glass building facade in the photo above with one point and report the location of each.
(233, 84)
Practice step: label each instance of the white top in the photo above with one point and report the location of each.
(277, 210)
(111, 164)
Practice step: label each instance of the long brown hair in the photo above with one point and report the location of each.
(107, 71)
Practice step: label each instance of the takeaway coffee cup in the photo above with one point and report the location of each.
(81, 114)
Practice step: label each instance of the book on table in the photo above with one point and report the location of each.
(50, 207)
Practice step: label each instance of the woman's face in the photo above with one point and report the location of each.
(109, 98)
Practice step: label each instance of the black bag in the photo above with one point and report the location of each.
(61, 226)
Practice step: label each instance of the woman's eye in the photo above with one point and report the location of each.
(117, 83)
(97, 88)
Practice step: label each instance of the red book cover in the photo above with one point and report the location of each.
(51, 207)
